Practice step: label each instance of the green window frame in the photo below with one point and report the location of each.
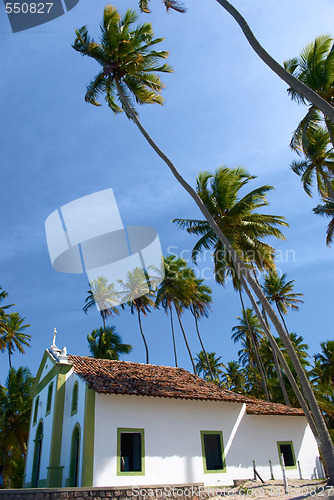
(75, 396)
(34, 420)
(120, 459)
(292, 451)
(205, 443)
(49, 399)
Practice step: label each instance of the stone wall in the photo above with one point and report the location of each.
(178, 491)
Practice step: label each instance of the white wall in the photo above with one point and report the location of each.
(173, 453)
(69, 423)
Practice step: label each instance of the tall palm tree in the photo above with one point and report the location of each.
(280, 292)
(139, 297)
(238, 219)
(326, 360)
(327, 209)
(211, 371)
(318, 162)
(105, 343)
(200, 301)
(249, 330)
(3, 323)
(112, 29)
(177, 289)
(15, 409)
(280, 71)
(234, 377)
(314, 67)
(14, 336)
(103, 295)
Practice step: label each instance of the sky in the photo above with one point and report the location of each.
(223, 106)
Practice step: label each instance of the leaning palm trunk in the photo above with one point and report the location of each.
(173, 335)
(255, 349)
(202, 345)
(277, 366)
(276, 362)
(293, 82)
(282, 360)
(323, 436)
(143, 336)
(185, 340)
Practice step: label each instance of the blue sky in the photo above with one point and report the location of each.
(222, 106)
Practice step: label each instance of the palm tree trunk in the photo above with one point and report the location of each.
(282, 318)
(173, 336)
(143, 336)
(282, 360)
(293, 82)
(329, 188)
(276, 362)
(255, 349)
(329, 130)
(324, 439)
(104, 320)
(202, 345)
(185, 340)
(9, 357)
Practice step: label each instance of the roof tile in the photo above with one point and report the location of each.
(124, 377)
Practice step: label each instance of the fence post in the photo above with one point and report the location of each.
(284, 475)
(271, 469)
(254, 470)
(300, 470)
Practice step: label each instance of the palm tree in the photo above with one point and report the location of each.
(3, 324)
(177, 288)
(138, 295)
(280, 292)
(201, 299)
(13, 334)
(234, 377)
(15, 409)
(280, 71)
(238, 219)
(314, 67)
(327, 208)
(250, 332)
(103, 295)
(326, 360)
(318, 161)
(211, 371)
(112, 31)
(105, 343)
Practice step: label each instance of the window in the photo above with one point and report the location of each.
(75, 455)
(130, 452)
(285, 448)
(213, 451)
(49, 400)
(75, 393)
(34, 420)
(37, 456)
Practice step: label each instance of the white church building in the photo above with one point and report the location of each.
(115, 423)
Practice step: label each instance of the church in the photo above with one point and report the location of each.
(101, 423)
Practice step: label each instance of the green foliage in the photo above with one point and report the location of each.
(237, 217)
(15, 409)
(129, 62)
(103, 295)
(105, 343)
(216, 366)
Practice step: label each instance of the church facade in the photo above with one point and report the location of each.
(113, 423)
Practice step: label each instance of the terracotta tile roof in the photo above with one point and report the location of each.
(124, 377)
